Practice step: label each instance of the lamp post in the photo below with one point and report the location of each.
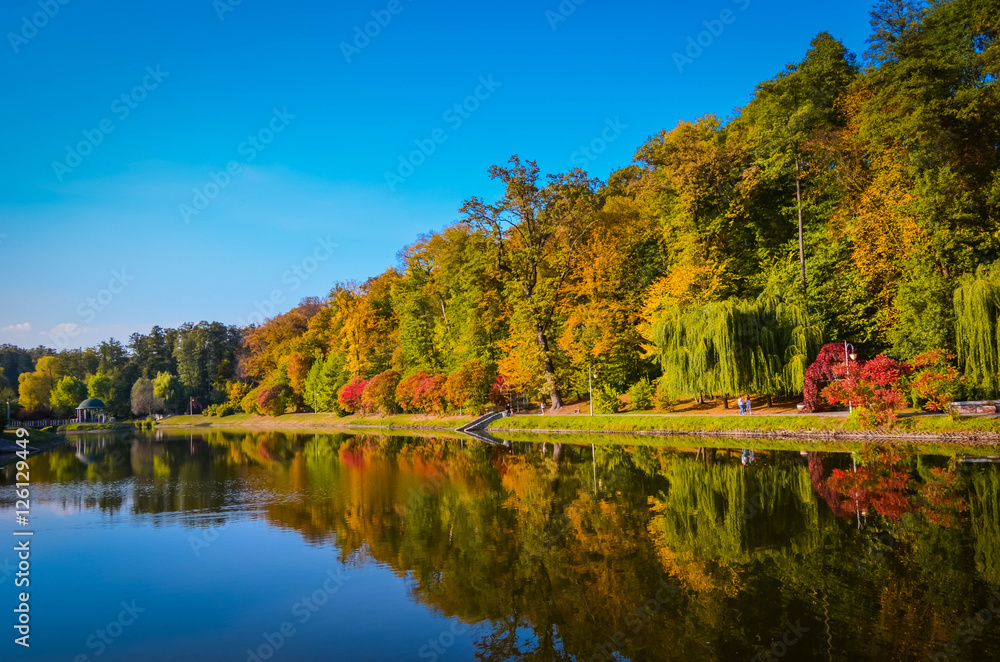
(848, 357)
(590, 386)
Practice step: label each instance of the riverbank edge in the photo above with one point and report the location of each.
(40, 440)
(691, 427)
(951, 438)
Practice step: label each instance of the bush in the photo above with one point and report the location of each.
(873, 388)
(423, 392)
(935, 382)
(237, 392)
(274, 400)
(219, 410)
(350, 395)
(661, 399)
(641, 395)
(380, 393)
(469, 386)
(249, 401)
(607, 400)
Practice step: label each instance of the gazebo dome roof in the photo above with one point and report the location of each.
(91, 403)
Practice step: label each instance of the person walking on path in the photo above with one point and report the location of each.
(739, 401)
(746, 405)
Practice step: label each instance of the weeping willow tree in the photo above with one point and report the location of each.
(737, 514)
(977, 336)
(735, 346)
(985, 519)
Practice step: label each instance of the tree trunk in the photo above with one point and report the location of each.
(802, 245)
(725, 402)
(770, 401)
(550, 370)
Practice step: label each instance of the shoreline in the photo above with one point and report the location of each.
(954, 438)
(981, 431)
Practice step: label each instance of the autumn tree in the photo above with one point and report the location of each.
(379, 394)
(535, 231)
(35, 388)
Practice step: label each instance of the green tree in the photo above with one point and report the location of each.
(325, 378)
(168, 389)
(735, 346)
(977, 307)
(788, 110)
(67, 395)
(102, 387)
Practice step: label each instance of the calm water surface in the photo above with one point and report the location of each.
(244, 547)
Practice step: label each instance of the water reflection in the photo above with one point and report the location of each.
(591, 552)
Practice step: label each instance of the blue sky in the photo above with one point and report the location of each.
(120, 118)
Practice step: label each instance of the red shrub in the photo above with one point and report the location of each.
(406, 392)
(873, 388)
(935, 380)
(379, 393)
(432, 396)
(349, 396)
(822, 372)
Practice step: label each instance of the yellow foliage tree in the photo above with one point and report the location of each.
(35, 388)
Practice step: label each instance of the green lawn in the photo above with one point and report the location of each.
(318, 420)
(915, 424)
(82, 427)
(759, 444)
(668, 423)
(931, 425)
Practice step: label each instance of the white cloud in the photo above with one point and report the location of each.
(18, 328)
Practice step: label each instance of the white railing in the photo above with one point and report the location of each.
(45, 422)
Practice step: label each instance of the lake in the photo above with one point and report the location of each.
(273, 546)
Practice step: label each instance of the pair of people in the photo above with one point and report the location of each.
(744, 403)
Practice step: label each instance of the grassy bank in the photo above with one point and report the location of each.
(87, 427)
(976, 428)
(773, 444)
(292, 421)
(40, 440)
(973, 430)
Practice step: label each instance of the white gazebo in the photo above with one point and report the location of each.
(91, 410)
